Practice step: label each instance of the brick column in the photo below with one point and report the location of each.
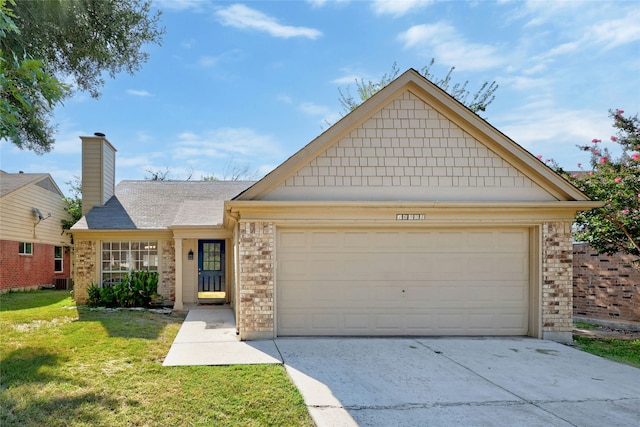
(256, 250)
(85, 269)
(167, 288)
(557, 281)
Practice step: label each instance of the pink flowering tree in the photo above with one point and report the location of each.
(616, 181)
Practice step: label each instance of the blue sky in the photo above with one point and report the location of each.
(247, 84)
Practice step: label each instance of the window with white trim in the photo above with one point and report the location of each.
(122, 257)
(58, 258)
(25, 248)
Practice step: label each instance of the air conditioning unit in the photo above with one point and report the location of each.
(63, 283)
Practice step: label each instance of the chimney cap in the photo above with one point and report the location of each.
(100, 134)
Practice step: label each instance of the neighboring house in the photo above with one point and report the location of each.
(605, 287)
(34, 250)
(410, 216)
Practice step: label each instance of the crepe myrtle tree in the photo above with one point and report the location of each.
(615, 227)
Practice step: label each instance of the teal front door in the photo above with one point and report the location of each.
(211, 269)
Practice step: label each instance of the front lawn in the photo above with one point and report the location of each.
(62, 365)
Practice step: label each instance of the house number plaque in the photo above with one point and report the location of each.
(409, 217)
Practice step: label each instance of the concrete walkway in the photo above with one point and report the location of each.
(208, 337)
(427, 381)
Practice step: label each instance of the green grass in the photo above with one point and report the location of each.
(620, 350)
(62, 365)
(585, 325)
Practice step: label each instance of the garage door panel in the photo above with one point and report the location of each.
(397, 282)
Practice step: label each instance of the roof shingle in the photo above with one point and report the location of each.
(153, 205)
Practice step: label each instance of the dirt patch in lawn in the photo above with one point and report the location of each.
(606, 332)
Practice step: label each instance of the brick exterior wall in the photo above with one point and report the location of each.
(256, 250)
(167, 287)
(605, 287)
(29, 271)
(85, 269)
(557, 272)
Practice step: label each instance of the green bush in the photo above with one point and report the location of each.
(136, 289)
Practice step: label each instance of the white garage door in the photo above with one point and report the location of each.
(401, 282)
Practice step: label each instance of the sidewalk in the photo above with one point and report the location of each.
(208, 337)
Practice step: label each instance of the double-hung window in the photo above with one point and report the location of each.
(119, 258)
(58, 258)
(25, 248)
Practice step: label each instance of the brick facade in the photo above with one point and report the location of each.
(85, 269)
(167, 285)
(256, 250)
(557, 276)
(605, 287)
(30, 271)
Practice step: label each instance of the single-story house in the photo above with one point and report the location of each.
(410, 216)
(34, 249)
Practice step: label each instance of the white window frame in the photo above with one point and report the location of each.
(22, 248)
(121, 257)
(60, 259)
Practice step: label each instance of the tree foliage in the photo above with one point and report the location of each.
(28, 93)
(73, 204)
(615, 227)
(366, 89)
(75, 41)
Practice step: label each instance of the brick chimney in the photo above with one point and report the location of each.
(98, 171)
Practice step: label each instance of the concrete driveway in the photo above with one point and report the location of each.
(459, 381)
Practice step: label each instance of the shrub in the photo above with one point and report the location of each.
(137, 289)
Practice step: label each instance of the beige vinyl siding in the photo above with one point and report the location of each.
(98, 172)
(189, 271)
(402, 282)
(409, 151)
(17, 217)
(109, 171)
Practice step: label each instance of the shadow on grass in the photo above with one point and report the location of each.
(24, 300)
(82, 409)
(28, 365)
(129, 323)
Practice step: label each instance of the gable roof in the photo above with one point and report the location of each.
(446, 107)
(157, 205)
(10, 182)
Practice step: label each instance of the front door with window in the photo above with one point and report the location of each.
(211, 269)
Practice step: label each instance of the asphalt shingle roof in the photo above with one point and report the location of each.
(153, 205)
(10, 182)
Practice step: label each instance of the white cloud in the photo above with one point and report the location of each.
(316, 4)
(617, 32)
(347, 79)
(544, 130)
(225, 143)
(326, 114)
(398, 7)
(450, 48)
(179, 4)
(208, 61)
(243, 17)
(136, 92)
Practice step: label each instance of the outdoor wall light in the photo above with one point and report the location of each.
(190, 254)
